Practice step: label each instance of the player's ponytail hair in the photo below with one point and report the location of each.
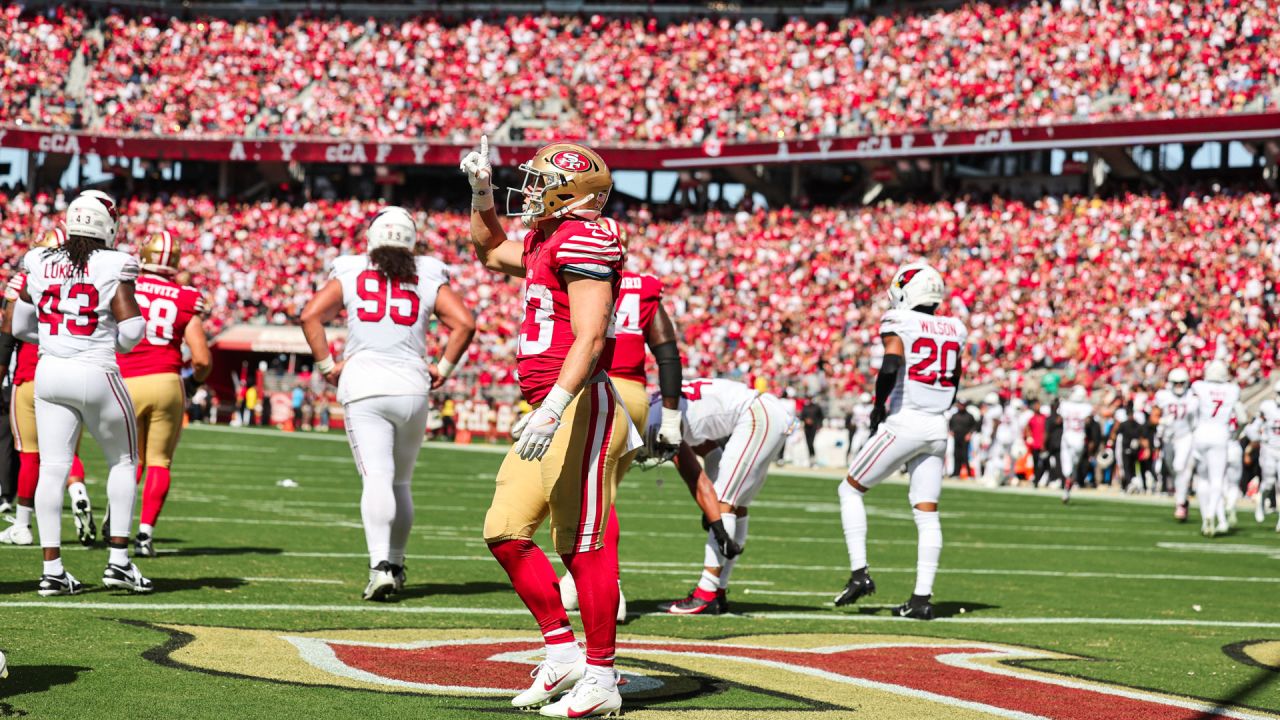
(77, 250)
(396, 263)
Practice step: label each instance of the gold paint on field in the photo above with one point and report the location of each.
(1265, 653)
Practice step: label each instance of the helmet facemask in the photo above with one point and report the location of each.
(561, 179)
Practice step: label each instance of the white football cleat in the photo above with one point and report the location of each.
(17, 535)
(1233, 518)
(550, 679)
(622, 605)
(86, 530)
(4, 666)
(1260, 509)
(587, 699)
(568, 592)
(64, 584)
(125, 577)
(382, 582)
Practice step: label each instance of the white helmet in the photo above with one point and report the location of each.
(93, 214)
(392, 227)
(1179, 380)
(864, 398)
(1217, 372)
(1079, 394)
(915, 284)
(991, 399)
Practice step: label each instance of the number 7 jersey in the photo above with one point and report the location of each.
(932, 345)
(168, 308)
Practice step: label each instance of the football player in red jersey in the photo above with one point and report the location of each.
(152, 372)
(22, 418)
(565, 462)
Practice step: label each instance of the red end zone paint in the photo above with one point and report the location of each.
(945, 671)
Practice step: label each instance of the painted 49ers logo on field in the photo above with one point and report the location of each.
(570, 160)
(825, 677)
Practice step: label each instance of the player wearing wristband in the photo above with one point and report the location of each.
(389, 295)
(565, 463)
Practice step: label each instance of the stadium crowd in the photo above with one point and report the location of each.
(1113, 291)
(632, 80)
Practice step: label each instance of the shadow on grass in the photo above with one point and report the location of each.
(411, 592)
(31, 679)
(949, 608)
(198, 551)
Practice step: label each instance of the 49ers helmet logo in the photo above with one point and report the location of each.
(570, 161)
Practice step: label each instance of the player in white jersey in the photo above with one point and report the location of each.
(1265, 430)
(1175, 405)
(85, 314)
(752, 428)
(1075, 413)
(1235, 464)
(383, 381)
(999, 429)
(917, 382)
(861, 424)
(1215, 398)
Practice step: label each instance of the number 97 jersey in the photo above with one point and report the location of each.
(168, 308)
(932, 345)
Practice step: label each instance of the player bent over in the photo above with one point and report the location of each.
(565, 464)
(753, 428)
(153, 372)
(389, 294)
(87, 313)
(917, 382)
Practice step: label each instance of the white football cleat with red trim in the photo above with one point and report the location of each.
(587, 699)
(550, 679)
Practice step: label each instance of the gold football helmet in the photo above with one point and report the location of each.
(55, 238)
(562, 179)
(160, 253)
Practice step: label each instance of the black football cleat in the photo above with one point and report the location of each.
(860, 585)
(917, 607)
(699, 602)
(722, 599)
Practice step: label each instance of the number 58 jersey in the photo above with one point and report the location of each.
(932, 345)
(73, 309)
(168, 308)
(386, 327)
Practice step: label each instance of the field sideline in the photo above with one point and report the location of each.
(1104, 608)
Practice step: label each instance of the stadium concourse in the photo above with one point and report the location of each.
(1116, 291)
(626, 80)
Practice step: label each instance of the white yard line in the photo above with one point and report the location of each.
(126, 607)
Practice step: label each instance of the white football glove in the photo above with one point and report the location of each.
(480, 174)
(535, 436)
(669, 432)
(519, 426)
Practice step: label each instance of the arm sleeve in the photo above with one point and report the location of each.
(887, 379)
(129, 333)
(7, 344)
(25, 327)
(670, 371)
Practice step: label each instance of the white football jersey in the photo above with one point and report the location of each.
(73, 309)
(1215, 405)
(1075, 417)
(1175, 412)
(386, 328)
(991, 415)
(711, 407)
(862, 416)
(933, 347)
(1269, 424)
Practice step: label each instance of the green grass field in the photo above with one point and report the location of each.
(1099, 609)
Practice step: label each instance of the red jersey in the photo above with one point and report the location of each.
(168, 308)
(638, 299)
(24, 369)
(578, 247)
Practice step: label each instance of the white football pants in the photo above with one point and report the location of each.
(757, 438)
(386, 434)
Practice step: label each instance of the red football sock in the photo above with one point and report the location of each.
(154, 493)
(28, 475)
(142, 470)
(597, 579)
(536, 584)
(77, 467)
(611, 537)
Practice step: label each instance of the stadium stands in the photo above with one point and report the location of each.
(618, 81)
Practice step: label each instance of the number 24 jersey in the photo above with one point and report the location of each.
(933, 345)
(168, 308)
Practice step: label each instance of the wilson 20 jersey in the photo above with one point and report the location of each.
(168, 308)
(1215, 406)
(1175, 411)
(73, 309)
(638, 299)
(576, 247)
(933, 346)
(386, 327)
